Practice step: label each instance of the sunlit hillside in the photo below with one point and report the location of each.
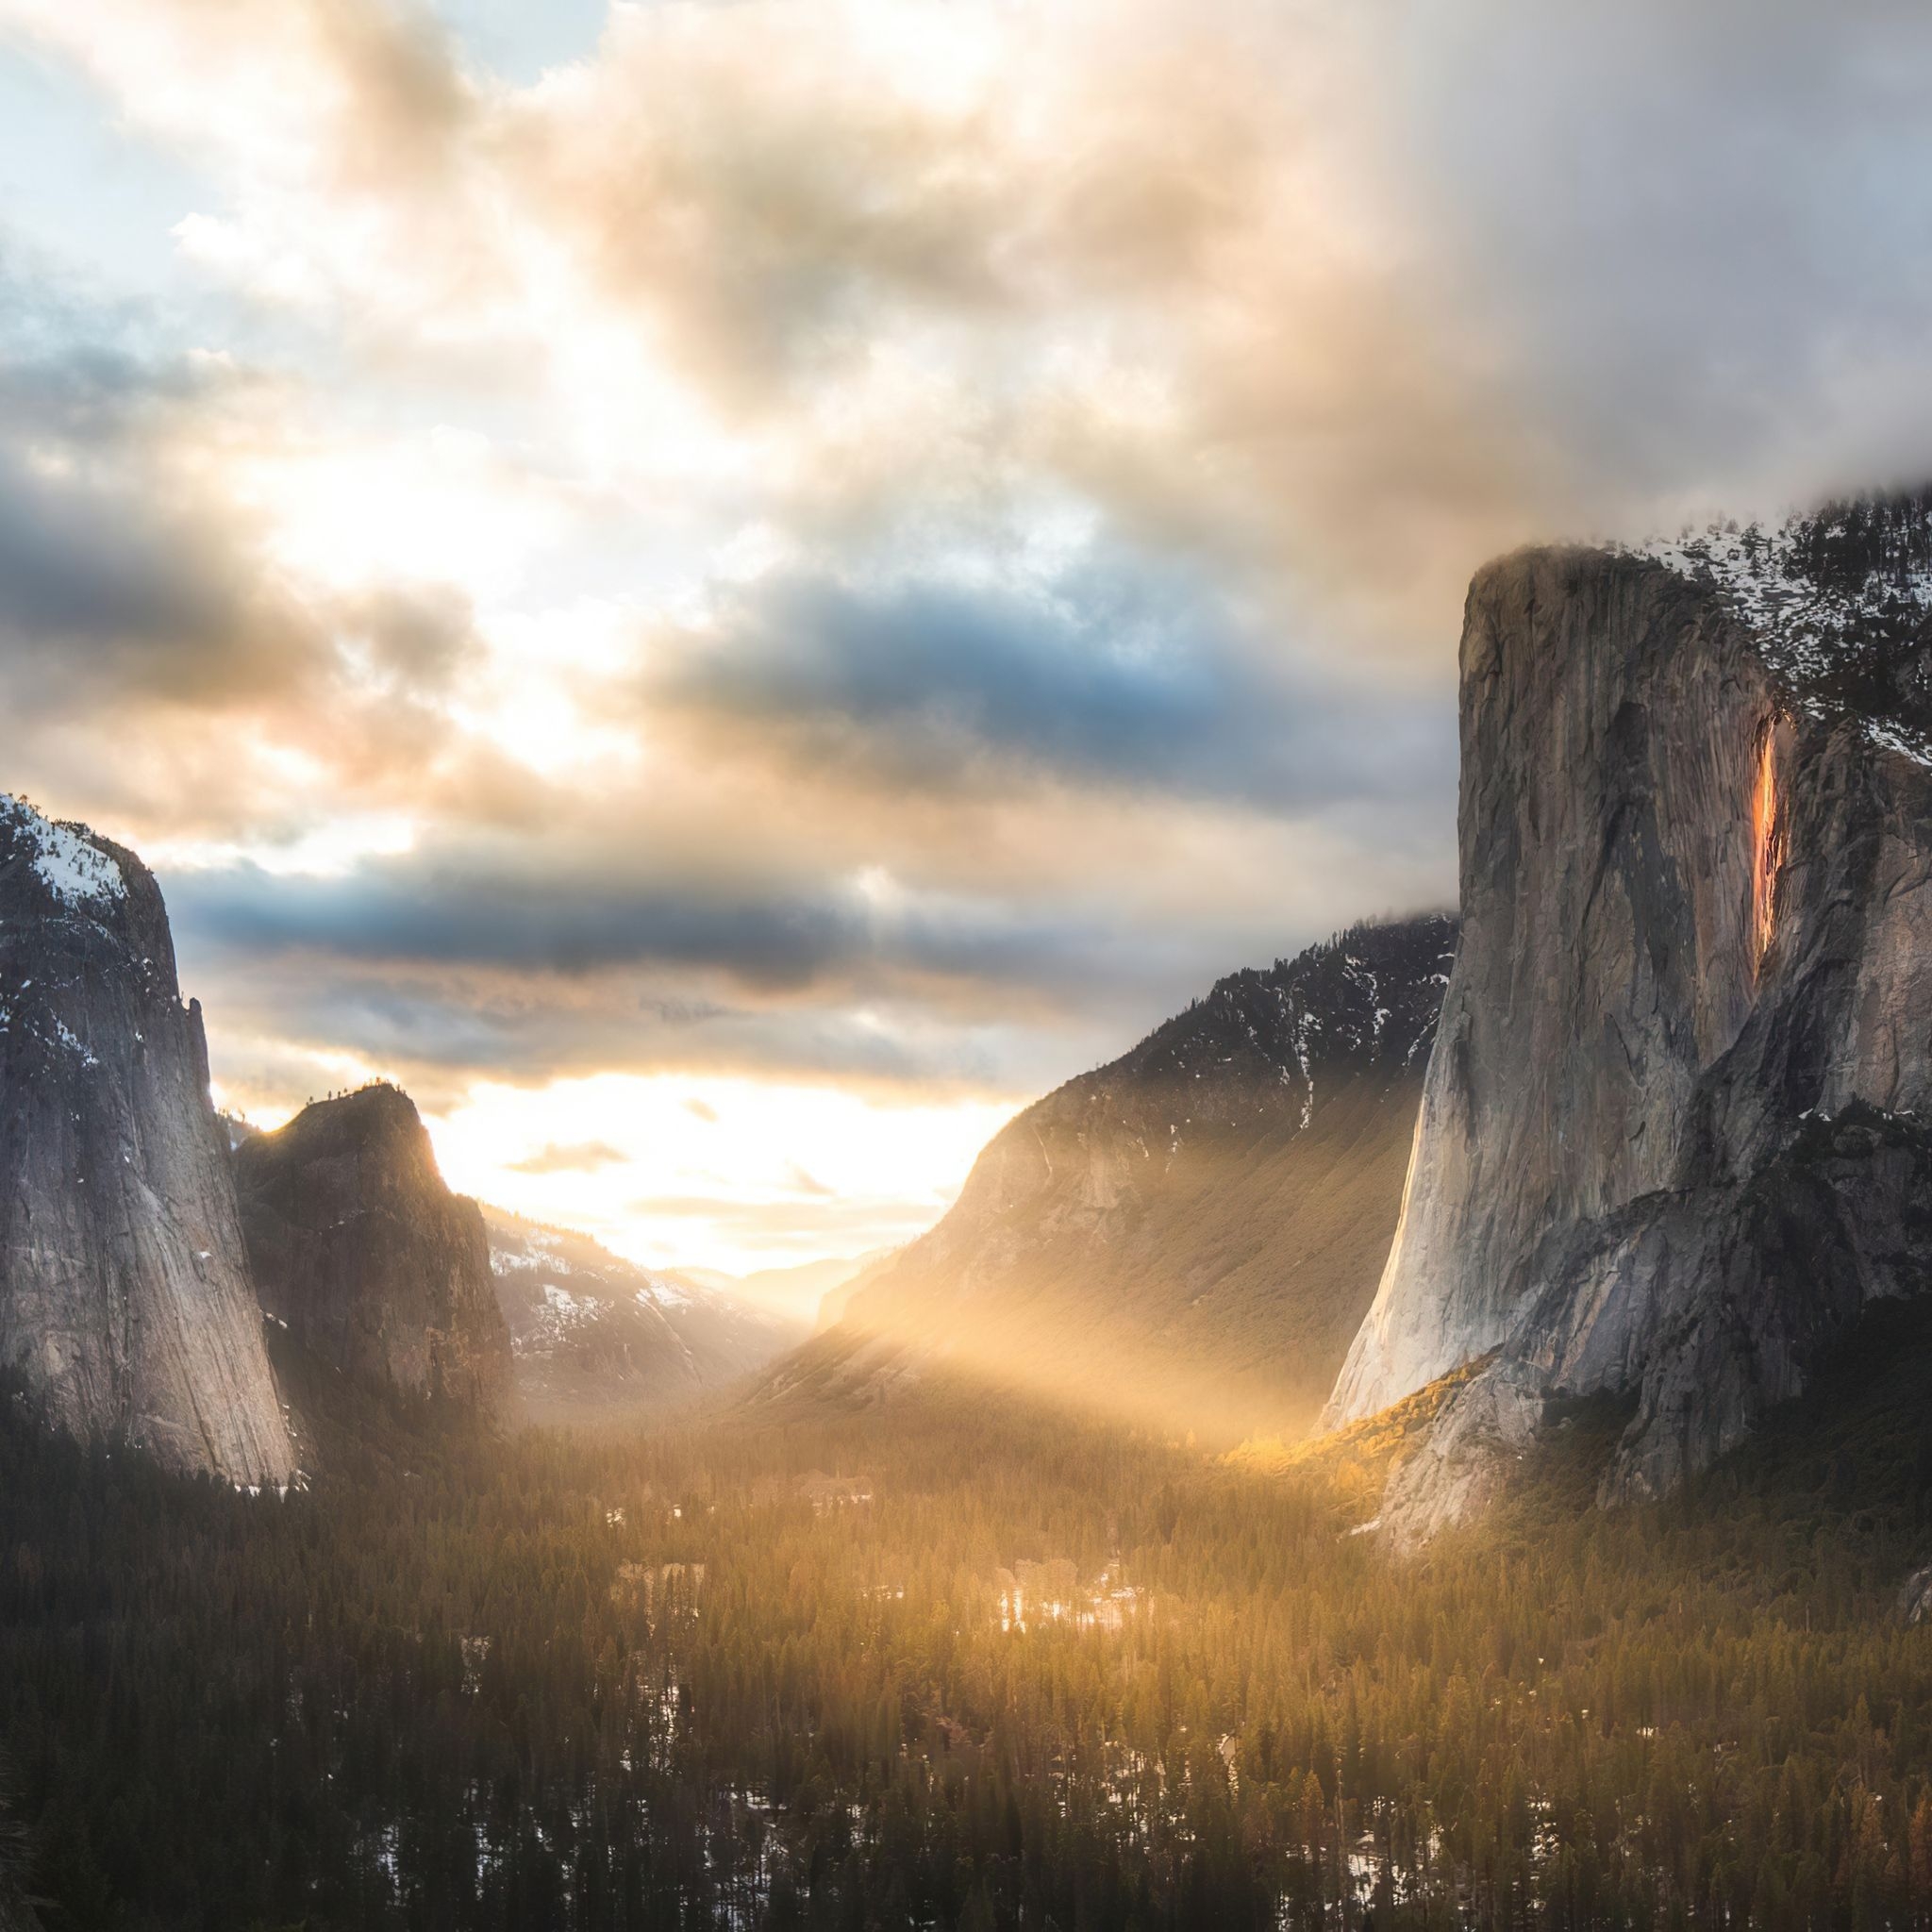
(1188, 1237)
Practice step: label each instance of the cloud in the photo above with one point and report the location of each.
(582, 1156)
(89, 564)
(751, 1224)
(161, 664)
(433, 963)
(517, 917)
(895, 539)
(1700, 288)
(115, 578)
(438, 966)
(1111, 673)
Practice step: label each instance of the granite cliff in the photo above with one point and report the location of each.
(366, 1257)
(124, 1296)
(1190, 1234)
(1670, 1144)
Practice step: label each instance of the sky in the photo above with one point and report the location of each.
(730, 589)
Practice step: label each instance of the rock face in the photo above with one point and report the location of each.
(125, 1298)
(370, 1261)
(1915, 1597)
(596, 1338)
(1667, 1147)
(1191, 1234)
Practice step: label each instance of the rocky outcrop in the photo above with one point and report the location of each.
(367, 1258)
(1667, 1148)
(1189, 1235)
(1915, 1597)
(125, 1298)
(594, 1339)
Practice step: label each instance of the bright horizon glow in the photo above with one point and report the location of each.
(676, 1171)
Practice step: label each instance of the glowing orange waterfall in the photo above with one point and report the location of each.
(1767, 844)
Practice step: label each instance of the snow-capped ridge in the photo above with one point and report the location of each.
(595, 1336)
(1840, 601)
(67, 860)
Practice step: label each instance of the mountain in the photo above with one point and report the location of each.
(596, 1338)
(367, 1258)
(1189, 1235)
(800, 1292)
(1672, 1140)
(854, 1277)
(124, 1297)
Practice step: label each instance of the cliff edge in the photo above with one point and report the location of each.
(368, 1258)
(1189, 1235)
(1668, 1143)
(124, 1296)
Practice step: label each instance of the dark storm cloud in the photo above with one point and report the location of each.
(441, 975)
(1116, 674)
(438, 1033)
(88, 562)
(520, 921)
(116, 572)
(531, 917)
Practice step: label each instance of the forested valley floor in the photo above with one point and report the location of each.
(970, 1663)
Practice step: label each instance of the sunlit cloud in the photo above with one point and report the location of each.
(656, 1186)
(870, 548)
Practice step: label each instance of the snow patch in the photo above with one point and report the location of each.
(74, 1043)
(569, 1309)
(68, 863)
(1808, 630)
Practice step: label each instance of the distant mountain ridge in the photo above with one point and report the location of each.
(800, 1291)
(1191, 1232)
(596, 1339)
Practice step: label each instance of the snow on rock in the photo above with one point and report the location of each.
(1653, 1160)
(125, 1303)
(74, 1044)
(1841, 604)
(67, 861)
(562, 1311)
(597, 1337)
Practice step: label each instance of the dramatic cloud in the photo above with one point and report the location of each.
(878, 544)
(1103, 675)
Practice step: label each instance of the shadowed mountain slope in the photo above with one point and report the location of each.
(368, 1258)
(1189, 1235)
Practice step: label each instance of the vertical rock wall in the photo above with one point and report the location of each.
(359, 1247)
(124, 1297)
(1667, 1146)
